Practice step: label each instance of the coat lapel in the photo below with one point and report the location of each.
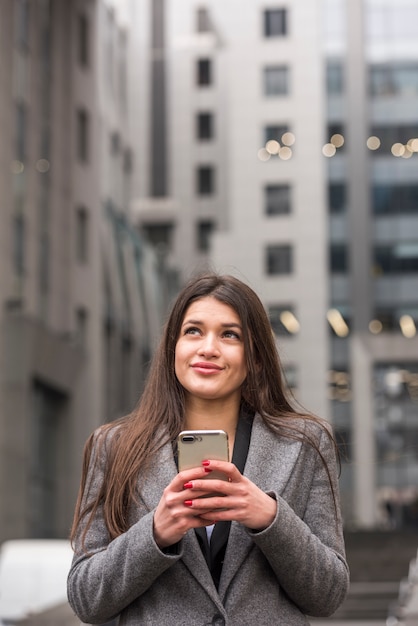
(269, 465)
(160, 474)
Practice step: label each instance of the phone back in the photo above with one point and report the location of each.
(194, 446)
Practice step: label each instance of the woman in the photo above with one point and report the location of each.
(268, 548)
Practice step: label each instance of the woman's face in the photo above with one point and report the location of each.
(209, 358)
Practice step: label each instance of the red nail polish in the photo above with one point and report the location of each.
(188, 502)
(188, 486)
(205, 463)
(207, 470)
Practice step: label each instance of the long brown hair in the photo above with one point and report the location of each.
(158, 418)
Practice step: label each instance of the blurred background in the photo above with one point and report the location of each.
(145, 140)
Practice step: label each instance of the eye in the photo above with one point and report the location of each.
(231, 334)
(192, 330)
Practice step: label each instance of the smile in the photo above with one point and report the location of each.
(206, 368)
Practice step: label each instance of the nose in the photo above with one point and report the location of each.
(209, 345)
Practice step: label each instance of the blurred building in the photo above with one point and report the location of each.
(143, 141)
(282, 148)
(81, 295)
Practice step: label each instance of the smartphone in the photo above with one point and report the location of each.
(194, 446)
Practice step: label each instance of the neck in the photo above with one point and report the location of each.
(213, 415)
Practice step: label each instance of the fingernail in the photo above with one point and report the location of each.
(205, 463)
(188, 486)
(207, 470)
(188, 502)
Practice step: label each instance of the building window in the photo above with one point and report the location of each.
(204, 126)
(392, 318)
(399, 258)
(82, 235)
(393, 79)
(279, 259)
(159, 234)
(277, 199)
(390, 135)
(204, 72)
(46, 458)
(81, 322)
(275, 22)
(204, 231)
(276, 80)
(115, 143)
(336, 135)
(338, 258)
(395, 199)
(82, 135)
(21, 131)
(335, 78)
(19, 244)
(22, 24)
(337, 197)
(83, 40)
(275, 132)
(203, 20)
(44, 262)
(205, 180)
(283, 320)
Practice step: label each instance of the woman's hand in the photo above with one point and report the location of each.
(174, 516)
(240, 500)
(182, 508)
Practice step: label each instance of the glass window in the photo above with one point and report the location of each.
(82, 135)
(392, 134)
(397, 258)
(396, 431)
(21, 131)
(277, 199)
(275, 132)
(338, 258)
(204, 126)
(159, 234)
(19, 244)
(395, 199)
(279, 259)
(391, 315)
(275, 22)
(335, 78)
(203, 20)
(283, 319)
(276, 80)
(81, 322)
(82, 234)
(394, 79)
(83, 40)
(205, 229)
(48, 408)
(205, 180)
(22, 23)
(337, 197)
(334, 130)
(44, 262)
(204, 72)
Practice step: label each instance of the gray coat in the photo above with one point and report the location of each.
(293, 568)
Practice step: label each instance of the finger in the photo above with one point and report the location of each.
(231, 470)
(212, 486)
(187, 475)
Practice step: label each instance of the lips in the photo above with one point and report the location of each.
(206, 367)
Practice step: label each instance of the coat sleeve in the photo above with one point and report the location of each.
(306, 549)
(106, 576)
